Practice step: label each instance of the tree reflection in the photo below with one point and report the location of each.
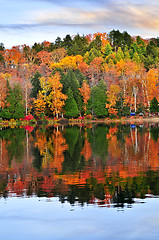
(102, 164)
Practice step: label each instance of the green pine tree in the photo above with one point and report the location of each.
(14, 105)
(71, 109)
(79, 76)
(136, 58)
(98, 100)
(8, 111)
(79, 45)
(154, 107)
(36, 85)
(119, 54)
(18, 111)
(107, 50)
(74, 85)
(96, 43)
(93, 53)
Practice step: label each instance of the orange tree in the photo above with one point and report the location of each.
(85, 93)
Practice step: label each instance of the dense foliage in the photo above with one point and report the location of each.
(101, 74)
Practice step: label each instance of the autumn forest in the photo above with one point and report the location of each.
(97, 75)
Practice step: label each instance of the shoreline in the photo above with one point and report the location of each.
(130, 120)
(60, 122)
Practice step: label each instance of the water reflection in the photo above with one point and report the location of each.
(108, 165)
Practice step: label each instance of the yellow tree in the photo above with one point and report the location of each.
(85, 93)
(112, 98)
(40, 104)
(55, 99)
(151, 85)
(45, 86)
(69, 62)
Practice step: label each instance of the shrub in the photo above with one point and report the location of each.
(28, 117)
(89, 116)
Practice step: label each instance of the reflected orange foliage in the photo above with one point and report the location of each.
(135, 154)
(59, 146)
(86, 151)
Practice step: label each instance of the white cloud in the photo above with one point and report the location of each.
(47, 19)
(114, 14)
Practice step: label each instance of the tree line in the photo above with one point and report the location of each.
(96, 75)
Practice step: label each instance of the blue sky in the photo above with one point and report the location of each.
(29, 21)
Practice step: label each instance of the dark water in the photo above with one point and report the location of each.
(81, 182)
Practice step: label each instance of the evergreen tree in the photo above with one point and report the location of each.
(140, 47)
(107, 50)
(149, 61)
(2, 48)
(119, 54)
(5, 113)
(136, 58)
(71, 109)
(157, 41)
(154, 107)
(14, 106)
(134, 48)
(96, 43)
(116, 39)
(89, 56)
(18, 111)
(67, 44)
(151, 49)
(36, 85)
(19, 106)
(98, 100)
(37, 47)
(139, 40)
(152, 54)
(127, 40)
(79, 76)
(8, 110)
(17, 91)
(111, 59)
(127, 55)
(58, 43)
(74, 85)
(79, 45)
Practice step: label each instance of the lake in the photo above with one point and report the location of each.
(92, 181)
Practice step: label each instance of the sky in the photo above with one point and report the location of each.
(30, 21)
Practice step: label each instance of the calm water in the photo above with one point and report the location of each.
(81, 182)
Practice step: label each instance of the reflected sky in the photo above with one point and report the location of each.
(39, 219)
